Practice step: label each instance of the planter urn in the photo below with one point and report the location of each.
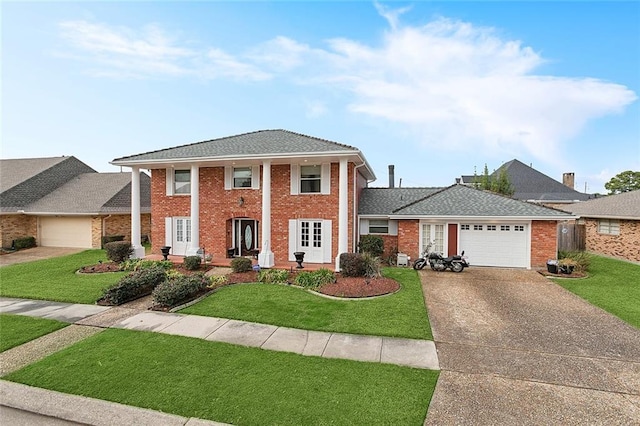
(299, 258)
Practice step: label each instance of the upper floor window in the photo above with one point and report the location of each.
(310, 179)
(242, 177)
(378, 226)
(182, 182)
(608, 226)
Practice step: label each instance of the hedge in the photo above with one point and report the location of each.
(136, 284)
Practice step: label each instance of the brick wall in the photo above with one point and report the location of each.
(218, 207)
(626, 245)
(14, 226)
(408, 238)
(544, 243)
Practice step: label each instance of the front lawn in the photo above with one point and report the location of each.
(227, 383)
(613, 285)
(402, 314)
(17, 329)
(56, 279)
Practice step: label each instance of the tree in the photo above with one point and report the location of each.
(623, 182)
(500, 185)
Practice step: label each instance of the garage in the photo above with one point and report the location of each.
(496, 244)
(65, 231)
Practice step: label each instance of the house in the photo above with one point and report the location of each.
(63, 202)
(492, 229)
(276, 192)
(534, 186)
(612, 224)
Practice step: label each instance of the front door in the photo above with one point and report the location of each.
(247, 237)
(310, 240)
(181, 235)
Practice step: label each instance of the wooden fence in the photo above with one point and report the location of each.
(571, 237)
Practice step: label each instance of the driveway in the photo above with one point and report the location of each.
(36, 253)
(515, 348)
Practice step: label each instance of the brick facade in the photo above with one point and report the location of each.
(14, 226)
(218, 207)
(544, 242)
(408, 240)
(625, 245)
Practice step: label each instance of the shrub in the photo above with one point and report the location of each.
(118, 251)
(352, 265)
(180, 289)
(192, 263)
(371, 265)
(372, 244)
(579, 259)
(136, 284)
(111, 238)
(241, 264)
(315, 279)
(216, 281)
(137, 264)
(24, 242)
(279, 276)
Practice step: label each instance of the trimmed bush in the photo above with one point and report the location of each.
(192, 263)
(579, 259)
(111, 238)
(352, 265)
(315, 279)
(273, 276)
(118, 251)
(136, 284)
(241, 264)
(137, 264)
(178, 290)
(372, 244)
(24, 243)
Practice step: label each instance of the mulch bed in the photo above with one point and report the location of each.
(574, 274)
(115, 267)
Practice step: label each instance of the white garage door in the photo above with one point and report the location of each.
(495, 244)
(65, 232)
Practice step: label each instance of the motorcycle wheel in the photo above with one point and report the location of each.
(457, 267)
(418, 265)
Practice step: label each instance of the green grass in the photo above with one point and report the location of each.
(402, 314)
(56, 279)
(612, 285)
(17, 329)
(227, 383)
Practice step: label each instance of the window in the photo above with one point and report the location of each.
(433, 236)
(310, 179)
(505, 228)
(183, 230)
(304, 234)
(464, 227)
(608, 226)
(477, 227)
(242, 177)
(378, 226)
(317, 234)
(182, 182)
(519, 228)
(491, 227)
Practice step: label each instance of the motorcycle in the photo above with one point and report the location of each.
(437, 262)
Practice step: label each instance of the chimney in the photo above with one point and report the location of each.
(392, 177)
(568, 179)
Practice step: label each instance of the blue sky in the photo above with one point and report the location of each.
(436, 88)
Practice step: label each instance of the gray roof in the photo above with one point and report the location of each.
(24, 181)
(383, 201)
(94, 193)
(619, 206)
(462, 200)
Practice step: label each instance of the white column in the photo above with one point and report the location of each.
(343, 212)
(265, 258)
(138, 250)
(194, 244)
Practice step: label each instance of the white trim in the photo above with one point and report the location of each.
(228, 177)
(168, 231)
(255, 177)
(169, 181)
(325, 177)
(295, 180)
(293, 239)
(327, 232)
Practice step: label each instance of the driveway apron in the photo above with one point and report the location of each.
(516, 348)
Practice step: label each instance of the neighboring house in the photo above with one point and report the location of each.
(534, 186)
(612, 224)
(63, 202)
(276, 192)
(493, 230)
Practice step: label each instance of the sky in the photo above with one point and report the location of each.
(438, 89)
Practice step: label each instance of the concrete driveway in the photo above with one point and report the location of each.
(36, 253)
(515, 348)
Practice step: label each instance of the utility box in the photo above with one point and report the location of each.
(403, 259)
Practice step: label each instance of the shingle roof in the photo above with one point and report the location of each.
(619, 206)
(93, 193)
(383, 201)
(462, 200)
(263, 142)
(15, 171)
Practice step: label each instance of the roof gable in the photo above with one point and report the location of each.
(619, 206)
(383, 201)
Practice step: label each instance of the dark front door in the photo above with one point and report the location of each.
(248, 237)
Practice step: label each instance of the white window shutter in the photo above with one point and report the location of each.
(325, 179)
(255, 177)
(228, 177)
(168, 231)
(293, 239)
(295, 180)
(169, 179)
(326, 241)
(364, 226)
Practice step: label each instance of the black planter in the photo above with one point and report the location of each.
(231, 252)
(299, 258)
(165, 251)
